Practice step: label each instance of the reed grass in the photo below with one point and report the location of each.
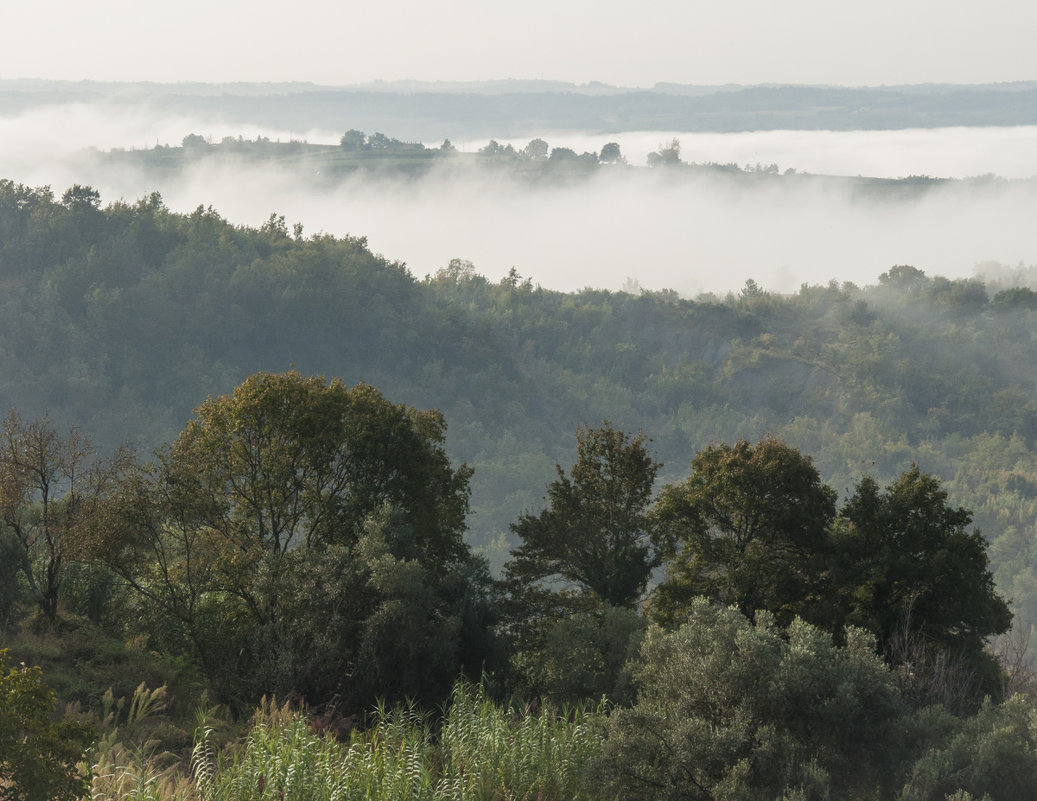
(480, 751)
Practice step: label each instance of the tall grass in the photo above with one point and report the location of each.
(481, 752)
(127, 765)
(491, 753)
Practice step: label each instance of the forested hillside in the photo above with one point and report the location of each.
(761, 548)
(519, 108)
(121, 318)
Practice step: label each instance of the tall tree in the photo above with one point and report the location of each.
(50, 483)
(594, 533)
(909, 567)
(274, 494)
(748, 527)
(586, 559)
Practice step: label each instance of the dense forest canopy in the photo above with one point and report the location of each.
(119, 318)
(821, 502)
(302, 537)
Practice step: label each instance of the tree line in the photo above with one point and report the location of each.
(304, 538)
(120, 317)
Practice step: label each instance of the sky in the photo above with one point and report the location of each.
(684, 41)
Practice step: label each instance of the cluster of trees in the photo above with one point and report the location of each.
(733, 707)
(358, 150)
(538, 150)
(354, 141)
(314, 537)
(319, 528)
(753, 528)
(304, 538)
(299, 537)
(120, 317)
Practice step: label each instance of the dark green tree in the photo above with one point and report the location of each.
(536, 149)
(748, 527)
(903, 277)
(1019, 297)
(81, 198)
(265, 501)
(593, 536)
(353, 140)
(563, 154)
(193, 140)
(611, 154)
(287, 460)
(584, 559)
(992, 754)
(910, 567)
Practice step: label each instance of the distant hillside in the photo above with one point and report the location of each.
(124, 318)
(517, 108)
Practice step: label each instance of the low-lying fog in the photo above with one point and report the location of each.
(706, 233)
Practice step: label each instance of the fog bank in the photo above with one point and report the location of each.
(1008, 152)
(704, 232)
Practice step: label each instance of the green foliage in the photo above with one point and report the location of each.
(594, 532)
(1020, 297)
(755, 527)
(306, 461)
(728, 708)
(587, 552)
(587, 654)
(991, 755)
(748, 527)
(122, 316)
(909, 563)
(302, 537)
(39, 756)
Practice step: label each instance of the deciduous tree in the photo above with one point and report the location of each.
(50, 483)
(734, 709)
(584, 555)
(910, 566)
(748, 527)
(593, 535)
(266, 499)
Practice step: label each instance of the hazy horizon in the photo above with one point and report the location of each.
(701, 235)
(707, 234)
(749, 42)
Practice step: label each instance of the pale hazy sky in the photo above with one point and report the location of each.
(686, 41)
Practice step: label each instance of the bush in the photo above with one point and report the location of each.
(990, 755)
(731, 709)
(39, 756)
